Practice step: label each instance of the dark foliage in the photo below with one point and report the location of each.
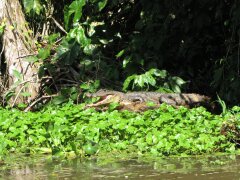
(197, 40)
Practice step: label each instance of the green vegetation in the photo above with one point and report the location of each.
(119, 42)
(129, 45)
(136, 45)
(70, 130)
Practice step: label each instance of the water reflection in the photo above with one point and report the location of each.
(46, 167)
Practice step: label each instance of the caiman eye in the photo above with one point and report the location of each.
(103, 97)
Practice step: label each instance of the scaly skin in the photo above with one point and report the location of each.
(138, 100)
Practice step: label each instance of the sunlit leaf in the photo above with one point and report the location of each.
(126, 61)
(159, 73)
(89, 48)
(26, 94)
(53, 37)
(120, 53)
(128, 81)
(76, 8)
(81, 38)
(17, 74)
(104, 41)
(79, 34)
(176, 88)
(31, 59)
(149, 139)
(140, 80)
(102, 4)
(179, 81)
(150, 79)
(32, 5)
(22, 105)
(67, 52)
(43, 53)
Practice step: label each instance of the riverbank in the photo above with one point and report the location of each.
(70, 131)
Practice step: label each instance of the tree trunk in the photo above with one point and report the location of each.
(18, 44)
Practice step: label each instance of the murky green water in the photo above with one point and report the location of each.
(46, 167)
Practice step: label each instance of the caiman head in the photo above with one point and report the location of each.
(106, 97)
(102, 94)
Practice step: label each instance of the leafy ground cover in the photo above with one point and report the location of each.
(71, 131)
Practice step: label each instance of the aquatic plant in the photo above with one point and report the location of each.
(70, 130)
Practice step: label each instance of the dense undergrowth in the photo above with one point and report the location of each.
(70, 130)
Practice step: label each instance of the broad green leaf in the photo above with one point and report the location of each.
(22, 105)
(176, 88)
(2, 27)
(81, 38)
(149, 139)
(104, 41)
(31, 59)
(85, 86)
(128, 81)
(32, 5)
(120, 53)
(9, 94)
(26, 94)
(113, 106)
(102, 4)
(96, 84)
(150, 79)
(149, 103)
(17, 74)
(88, 49)
(67, 52)
(44, 53)
(74, 8)
(140, 80)
(159, 73)
(126, 61)
(179, 81)
(79, 34)
(53, 37)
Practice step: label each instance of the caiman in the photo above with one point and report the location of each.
(139, 100)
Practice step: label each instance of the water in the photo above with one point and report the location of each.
(46, 167)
